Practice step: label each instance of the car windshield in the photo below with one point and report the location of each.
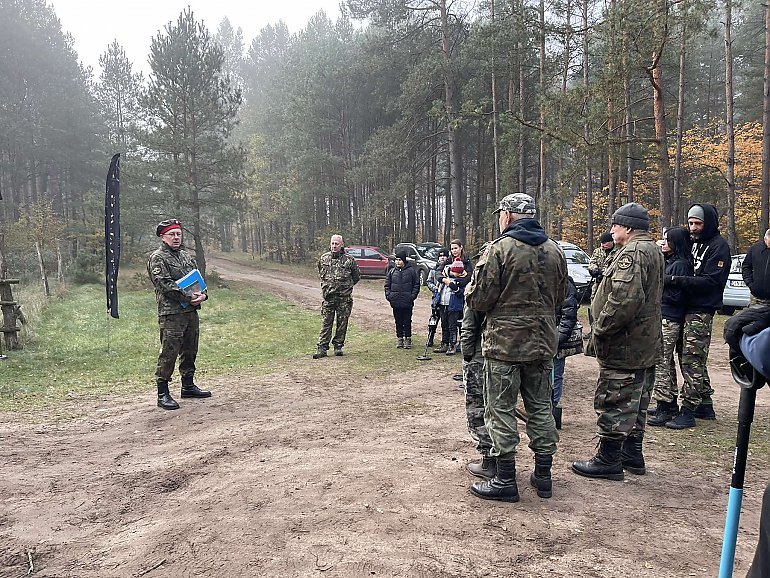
(576, 256)
(430, 253)
(735, 266)
(381, 251)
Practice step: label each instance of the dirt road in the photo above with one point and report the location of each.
(312, 473)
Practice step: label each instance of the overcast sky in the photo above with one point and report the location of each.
(94, 25)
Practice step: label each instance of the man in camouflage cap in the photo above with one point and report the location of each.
(177, 313)
(338, 272)
(518, 282)
(625, 338)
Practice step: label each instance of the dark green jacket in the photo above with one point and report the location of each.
(338, 275)
(626, 331)
(164, 267)
(519, 282)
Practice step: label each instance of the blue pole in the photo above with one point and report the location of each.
(734, 502)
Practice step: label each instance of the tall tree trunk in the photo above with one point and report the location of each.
(659, 113)
(730, 125)
(43, 273)
(494, 113)
(455, 161)
(676, 200)
(764, 220)
(542, 198)
(587, 134)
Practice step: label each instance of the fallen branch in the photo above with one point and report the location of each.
(31, 565)
(158, 565)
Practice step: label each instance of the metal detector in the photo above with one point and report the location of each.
(432, 324)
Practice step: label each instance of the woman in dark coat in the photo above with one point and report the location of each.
(402, 286)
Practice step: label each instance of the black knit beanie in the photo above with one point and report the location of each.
(632, 215)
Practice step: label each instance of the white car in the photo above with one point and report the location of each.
(577, 266)
(736, 294)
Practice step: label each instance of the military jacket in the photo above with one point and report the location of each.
(519, 286)
(626, 331)
(338, 275)
(164, 267)
(598, 262)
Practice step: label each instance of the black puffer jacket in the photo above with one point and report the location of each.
(402, 287)
(567, 314)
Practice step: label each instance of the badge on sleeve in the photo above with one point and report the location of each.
(156, 270)
(721, 264)
(625, 261)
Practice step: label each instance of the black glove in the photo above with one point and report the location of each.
(596, 274)
(750, 321)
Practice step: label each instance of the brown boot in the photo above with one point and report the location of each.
(408, 342)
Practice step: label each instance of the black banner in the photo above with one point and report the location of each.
(112, 235)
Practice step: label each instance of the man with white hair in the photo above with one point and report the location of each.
(338, 272)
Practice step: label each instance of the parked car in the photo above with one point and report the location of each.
(736, 294)
(371, 260)
(422, 256)
(577, 266)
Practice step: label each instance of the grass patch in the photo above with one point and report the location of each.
(78, 351)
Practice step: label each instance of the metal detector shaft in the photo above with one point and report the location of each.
(745, 417)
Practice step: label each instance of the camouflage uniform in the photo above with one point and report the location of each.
(473, 378)
(626, 336)
(598, 262)
(519, 285)
(338, 274)
(666, 386)
(695, 352)
(177, 319)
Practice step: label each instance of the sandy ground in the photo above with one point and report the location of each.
(312, 473)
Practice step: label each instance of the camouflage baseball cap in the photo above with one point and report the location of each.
(520, 203)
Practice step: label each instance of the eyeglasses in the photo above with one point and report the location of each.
(172, 234)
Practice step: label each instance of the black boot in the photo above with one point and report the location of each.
(486, 469)
(541, 477)
(631, 455)
(189, 389)
(605, 464)
(164, 397)
(320, 353)
(502, 487)
(705, 411)
(683, 420)
(556, 416)
(664, 412)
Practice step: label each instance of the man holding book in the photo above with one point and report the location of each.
(179, 291)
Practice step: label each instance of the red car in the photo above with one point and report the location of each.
(371, 260)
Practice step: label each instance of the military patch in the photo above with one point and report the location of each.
(625, 261)
(721, 264)
(156, 271)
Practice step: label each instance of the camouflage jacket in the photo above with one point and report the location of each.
(598, 262)
(519, 284)
(164, 267)
(338, 275)
(626, 331)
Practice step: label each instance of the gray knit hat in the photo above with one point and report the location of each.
(632, 215)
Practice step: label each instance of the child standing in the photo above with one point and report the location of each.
(402, 286)
(450, 297)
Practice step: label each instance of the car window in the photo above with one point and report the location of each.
(369, 254)
(382, 251)
(354, 252)
(735, 266)
(576, 256)
(430, 253)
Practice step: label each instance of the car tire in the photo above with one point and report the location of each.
(423, 277)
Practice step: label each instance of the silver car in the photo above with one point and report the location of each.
(736, 294)
(577, 266)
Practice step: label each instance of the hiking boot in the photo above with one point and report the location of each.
(165, 400)
(452, 349)
(556, 411)
(441, 348)
(704, 411)
(631, 455)
(338, 351)
(665, 411)
(408, 342)
(502, 486)
(541, 477)
(605, 464)
(684, 420)
(320, 352)
(486, 469)
(400, 343)
(189, 389)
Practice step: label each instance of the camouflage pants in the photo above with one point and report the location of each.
(758, 300)
(621, 401)
(329, 309)
(179, 335)
(666, 387)
(473, 380)
(503, 381)
(697, 338)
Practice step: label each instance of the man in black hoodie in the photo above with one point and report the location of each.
(711, 255)
(756, 270)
